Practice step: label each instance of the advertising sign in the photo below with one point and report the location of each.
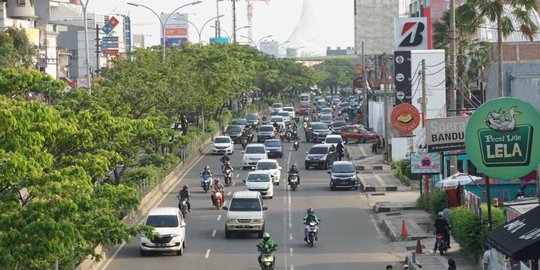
(411, 33)
(500, 138)
(425, 163)
(109, 43)
(219, 40)
(177, 25)
(446, 134)
(402, 77)
(174, 42)
(405, 118)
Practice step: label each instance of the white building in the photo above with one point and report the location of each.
(270, 47)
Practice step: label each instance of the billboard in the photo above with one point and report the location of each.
(176, 27)
(403, 76)
(446, 134)
(219, 40)
(411, 33)
(174, 42)
(425, 163)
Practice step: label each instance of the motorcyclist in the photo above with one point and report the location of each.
(185, 194)
(339, 150)
(294, 170)
(224, 160)
(207, 171)
(310, 217)
(276, 126)
(442, 227)
(216, 187)
(266, 242)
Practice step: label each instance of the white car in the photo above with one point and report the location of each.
(245, 213)
(223, 144)
(276, 107)
(333, 139)
(279, 120)
(260, 181)
(290, 110)
(286, 116)
(326, 118)
(252, 154)
(170, 227)
(271, 166)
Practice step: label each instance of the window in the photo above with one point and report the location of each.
(266, 128)
(258, 177)
(272, 143)
(255, 150)
(318, 150)
(162, 221)
(222, 140)
(21, 3)
(245, 205)
(266, 166)
(343, 168)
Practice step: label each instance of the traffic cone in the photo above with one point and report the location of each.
(404, 231)
(418, 246)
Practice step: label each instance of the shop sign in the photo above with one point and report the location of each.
(405, 118)
(425, 163)
(446, 134)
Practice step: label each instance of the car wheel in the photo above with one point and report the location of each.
(356, 188)
(180, 251)
(326, 166)
(227, 233)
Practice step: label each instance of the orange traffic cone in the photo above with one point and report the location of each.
(404, 231)
(418, 246)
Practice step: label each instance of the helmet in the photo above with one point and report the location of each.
(216, 180)
(310, 211)
(266, 236)
(294, 165)
(440, 214)
(185, 187)
(207, 167)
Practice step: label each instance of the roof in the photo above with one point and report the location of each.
(259, 172)
(255, 145)
(333, 135)
(488, 32)
(519, 238)
(246, 194)
(321, 145)
(163, 211)
(343, 163)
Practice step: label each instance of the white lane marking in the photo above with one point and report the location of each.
(290, 237)
(363, 151)
(233, 184)
(109, 260)
(219, 217)
(224, 203)
(237, 175)
(229, 193)
(292, 267)
(214, 233)
(375, 225)
(207, 254)
(291, 251)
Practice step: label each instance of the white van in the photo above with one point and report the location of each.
(170, 227)
(252, 154)
(245, 213)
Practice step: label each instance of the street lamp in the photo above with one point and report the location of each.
(164, 23)
(250, 40)
(227, 33)
(257, 45)
(199, 31)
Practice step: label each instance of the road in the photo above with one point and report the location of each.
(348, 236)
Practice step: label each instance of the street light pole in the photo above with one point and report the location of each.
(84, 6)
(259, 41)
(164, 23)
(199, 31)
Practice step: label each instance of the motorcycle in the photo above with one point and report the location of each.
(313, 230)
(244, 142)
(267, 259)
(305, 125)
(293, 181)
(183, 206)
(296, 145)
(288, 136)
(306, 119)
(218, 199)
(228, 177)
(441, 244)
(205, 182)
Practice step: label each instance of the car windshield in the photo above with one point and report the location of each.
(258, 177)
(304, 98)
(345, 104)
(266, 128)
(326, 118)
(320, 126)
(245, 205)
(321, 102)
(343, 168)
(222, 140)
(239, 122)
(233, 129)
(326, 110)
(168, 221)
(255, 150)
(275, 106)
(318, 150)
(286, 114)
(272, 143)
(288, 109)
(251, 117)
(276, 119)
(266, 165)
(338, 124)
(333, 139)
(364, 130)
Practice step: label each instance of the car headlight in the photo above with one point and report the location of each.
(257, 220)
(231, 220)
(175, 235)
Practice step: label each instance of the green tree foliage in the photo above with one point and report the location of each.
(20, 83)
(15, 49)
(437, 202)
(336, 72)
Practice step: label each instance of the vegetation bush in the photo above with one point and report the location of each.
(163, 161)
(469, 231)
(437, 202)
(403, 171)
(135, 176)
(421, 202)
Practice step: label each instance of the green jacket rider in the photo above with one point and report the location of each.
(266, 242)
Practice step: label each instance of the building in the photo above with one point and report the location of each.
(270, 47)
(138, 41)
(340, 51)
(374, 24)
(435, 8)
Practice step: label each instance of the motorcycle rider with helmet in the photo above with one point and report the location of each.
(294, 170)
(185, 194)
(224, 160)
(340, 150)
(207, 171)
(442, 227)
(266, 242)
(215, 187)
(310, 217)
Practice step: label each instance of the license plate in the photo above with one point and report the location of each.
(244, 226)
(161, 245)
(344, 182)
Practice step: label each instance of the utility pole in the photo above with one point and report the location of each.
(84, 6)
(453, 80)
(385, 79)
(97, 49)
(425, 178)
(218, 24)
(365, 91)
(234, 20)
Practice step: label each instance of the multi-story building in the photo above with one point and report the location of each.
(340, 51)
(270, 47)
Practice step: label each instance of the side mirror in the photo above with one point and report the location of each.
(183, 224)
(225, 208)
(281, 168)
(328, 172)
(244, 180)
(243, 152)
(307, 153)
(265, 208)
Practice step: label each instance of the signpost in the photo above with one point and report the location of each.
(405, 118)
(446, 134)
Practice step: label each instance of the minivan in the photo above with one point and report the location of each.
(252, 154)
(276, 107)
(170, 229)
(245, 213)
(320, 155)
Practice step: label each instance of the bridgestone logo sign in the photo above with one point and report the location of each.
(446, 134)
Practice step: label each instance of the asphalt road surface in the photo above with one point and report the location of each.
(348, 237)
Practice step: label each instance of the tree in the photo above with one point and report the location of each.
(503, 13)
(338, 72)
(15, 49)
(20, 83)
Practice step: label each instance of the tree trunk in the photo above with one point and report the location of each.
(500, 62)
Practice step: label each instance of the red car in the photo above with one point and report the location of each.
(303, 108)
(356, 133)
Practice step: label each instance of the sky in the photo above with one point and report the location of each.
(330, 23)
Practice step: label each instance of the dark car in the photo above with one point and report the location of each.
(337, 125)
(274, 148)
(252, 119)
(235, 132)
(343, 174)
(239, 122)
(317, 132)
(265, 132)
(320, 156)
(356, 133)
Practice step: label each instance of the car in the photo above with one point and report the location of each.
(235, 132)
(303, 108)
(320, 104)
(291, 111)
(260, 181)
(274, 148)
(356, 133)
(344, 107)
(336, 101)
(327, 111)
(321, 156)
(317, 132)
(266, 132)
(252, 154)
(279, 120)
(239, 122)
(223, 144)
(272, 167)
(276, 107)
(170, 227)
(343, 174)
(245, 213)
(333, 139)
(252, 119)
(326, 118)
(286, 116)
(337, 125)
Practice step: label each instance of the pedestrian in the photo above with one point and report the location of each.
(486, 261)
(389, 267)
(375, 145)
(452, 264)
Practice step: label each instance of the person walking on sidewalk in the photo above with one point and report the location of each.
(452, 264)
(375, 144)
(486, 258)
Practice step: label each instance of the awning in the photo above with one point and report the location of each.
(519, 238)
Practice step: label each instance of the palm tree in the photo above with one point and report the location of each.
(503, 12)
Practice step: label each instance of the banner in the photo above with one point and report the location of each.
(425, 163)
